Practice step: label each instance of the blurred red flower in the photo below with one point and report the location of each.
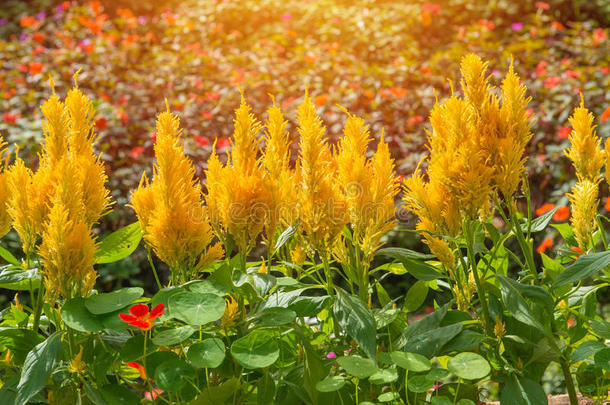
(138, 367)
(562, 214)
(39, 37)
(101, 123)
(27, 21)
(202, 140)
(320, 100)
(222, 142)
(544, 208)
(546, 243)
(542, 5)
(136, 151)
(605, 115)
(10, 118)
(564, 132)
(398, 92)
(552, 82)
(35, 67)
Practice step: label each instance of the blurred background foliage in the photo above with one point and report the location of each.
(384, 60)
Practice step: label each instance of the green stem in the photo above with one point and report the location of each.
(526, 245)
(407, 389)
(154, 269)
(480, 289)
(565, 368)
(601, 231)
(39, 305)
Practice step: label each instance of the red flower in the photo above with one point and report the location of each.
(561, 214)
(605, 115)
(542, 5)
(607, 205)
(152, 395)
(571, 73)
(544, 208)
(546, 243)
(39, 37)
(101, 123)
(140, 316)
(558, 26)
(10, 118)
(27, 21)
(320, 100)
(202, 140)
(564, 132)
(222, 143)
(136, 151)
(35, 67)
(433, 8)
(552, 82)
(398, 92)
(138, 367)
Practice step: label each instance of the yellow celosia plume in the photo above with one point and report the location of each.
(5, 218)
(321, 205)
(585, 150)
(170, 208)
(584, 202)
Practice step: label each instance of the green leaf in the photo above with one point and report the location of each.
(12, 278)
(357, 321)
(171, 337)
(76, 316)
(113, 301)
(209, 286)
(584, 267)
(258, 349)
(19, 341)
(93, 394)
(8, 256)
(401, 254)
(430, 343)
(420, 383)
(416, 296)
(277, 316)
(601, 328)
(516, 304)
(330, 384)
(539, 224)
(421, 270)
(216, 395)
(602, 359)
(532, 293)
(309, 306)
(469, 366)
(385, 376)
(357, 366)
(586, 350)
(440, 401)
(196, 309)
(265, 392)
(171, 375)
(133, 349)
(37, 368)
(208, 353)
(285, 237)
(119, 244)
(154, 360)
(522, 391)
(118, 394)
(410, 361)
(388, 396)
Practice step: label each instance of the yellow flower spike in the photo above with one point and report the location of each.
(585, 151)
(584, 202)
(499, 329)
(321, 207)
(607, 161)
(55, 128)
(67, 253)
(170, 209)
(231, 314)
(5, 218)
(475, 80)
(77, 365)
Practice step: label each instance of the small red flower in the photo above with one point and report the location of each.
(101, 123)
(222, 143)
(544, 208)
(546, 243)
(542, 5)
(605, 115)
(564, 132)
(141, 317)
(152, 395)
(577, 250)
(138, 367)
(10, 118)
(35, 67)
(552, 82)
(201, 140)
(561, 214)
(136, 151)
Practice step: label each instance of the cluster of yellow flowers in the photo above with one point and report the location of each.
(261, 190)
(55, 208)
(477, 153)
(588, 159)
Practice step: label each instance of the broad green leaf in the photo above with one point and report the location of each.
(401, 254)
(469, 366)
(440, 401)
(12, 278)
(37, 368)
(277, 316)
(196, 309)
(602, 359)
(113, 301)
(430, 343)
(8, 256)
(601, 328)
(118, 394)
(517, 306)
(539, 224)
(133, 349)
(153, 360)
(119, 244)
(265, 391)
(209, 286)
(76, 316)
(385, 376)
(359, 367)
(421, 270)
(93, 394)
(416, 296)
(216, 395)
(357, 321)
(19, 341)
(174, 336)
(420, 383)
(208, 353)
(410, 361)
(427, 323)
(586, 349)
(584, 267)
(532, 293)
(331, 384)
(171, 375)
(258, 349)
(388, 396)
(522, 391)
(309, 306)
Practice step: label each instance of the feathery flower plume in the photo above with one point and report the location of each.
(5, 218)
(239, 196)
(173, 219)
(585, 150)
(584, 201)
(322, 208)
